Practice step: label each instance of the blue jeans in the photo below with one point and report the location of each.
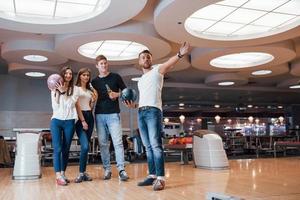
(62, 132)
(84, 138)
(149, 121)
(110, 124)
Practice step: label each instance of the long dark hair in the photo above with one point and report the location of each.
(78, 81)
(71, 83)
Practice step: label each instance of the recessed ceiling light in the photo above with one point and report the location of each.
(35, 74)
(52, 12)
(181, 108)
(35, 58)
(280, 107)
(294, 86)
(240, 20)
(181, 104)
(114, 50)
(241, 60)
(261, 72)
(226, 83)
(250, 106)
(135, 78)
(217, 106)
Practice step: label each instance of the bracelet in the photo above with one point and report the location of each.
(179, 55)
(62, 92)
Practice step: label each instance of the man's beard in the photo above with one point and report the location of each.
(146, 66)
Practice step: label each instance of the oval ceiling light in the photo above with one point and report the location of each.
(226, 83)
(241, 20)
(225, 79)
(241, 60)
(66, 16)
(35, 74)
(35, 58)
(261, 72)
(114, 50)
(51, 12)
(26, 70)
(294, 86)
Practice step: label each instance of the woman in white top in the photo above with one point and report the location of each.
(85, 124)
(62, 124)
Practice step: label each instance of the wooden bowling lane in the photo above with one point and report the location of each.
(259, 179)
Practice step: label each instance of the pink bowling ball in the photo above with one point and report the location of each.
(52, 80)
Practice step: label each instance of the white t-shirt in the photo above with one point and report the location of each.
(84, 99)
(65, 108)
(150, 86)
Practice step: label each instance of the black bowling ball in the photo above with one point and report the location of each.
(128, 94)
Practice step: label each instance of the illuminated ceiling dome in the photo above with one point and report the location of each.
(114, 50)
(51, 11)
(244, 19)
(66, 16)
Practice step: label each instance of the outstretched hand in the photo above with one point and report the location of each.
(184, 49)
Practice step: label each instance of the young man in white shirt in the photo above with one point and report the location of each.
(150, 113)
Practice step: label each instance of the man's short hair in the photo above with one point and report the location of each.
(100, 57)
(145, 51)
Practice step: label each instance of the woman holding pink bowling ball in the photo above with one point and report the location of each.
(63, 97)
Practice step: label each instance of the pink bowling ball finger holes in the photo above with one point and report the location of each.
(52, 80)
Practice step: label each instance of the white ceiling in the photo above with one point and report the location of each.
(154, 23)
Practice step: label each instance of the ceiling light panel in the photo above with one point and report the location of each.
(237, 20)
(68, 10)
(35, 58)
(244, 16)
(294, 87)
(226, 83)
(268, 5)
(50, 11)
(35, 74)
(242, 60)
(273, 19)
(291, 7)
(213, 12)
(113, 49)
(261, 72)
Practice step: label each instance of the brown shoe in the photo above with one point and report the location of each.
(158, 184)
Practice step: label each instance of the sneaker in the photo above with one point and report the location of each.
(61, 181)
(83, 177)
(107, 175)
(79, 178)
(158, 184)
(86, 177)
(123, 175)
(66, 179)
(148, 181)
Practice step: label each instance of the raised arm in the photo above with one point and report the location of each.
(169, 64)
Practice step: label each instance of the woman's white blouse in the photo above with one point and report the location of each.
(65, 108)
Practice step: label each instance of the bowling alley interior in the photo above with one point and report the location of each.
(230, 123)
